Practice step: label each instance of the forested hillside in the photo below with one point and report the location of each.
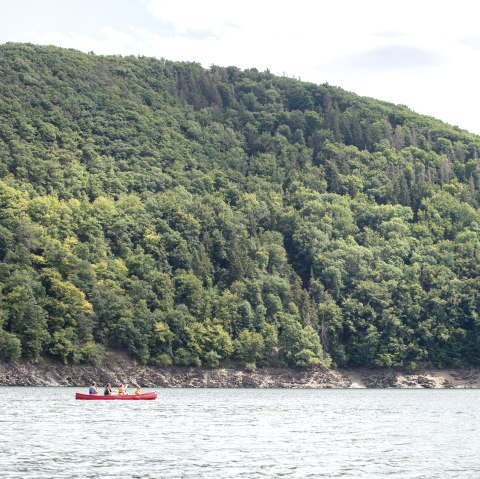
(217, 216)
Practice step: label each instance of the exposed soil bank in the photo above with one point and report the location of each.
(117, 369)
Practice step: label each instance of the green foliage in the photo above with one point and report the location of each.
(10, 346)
(91, 353)
(199, 217)
(62, 346)
(206, 343)
(300, 346)
(250, 347)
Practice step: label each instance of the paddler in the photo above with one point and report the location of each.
(93, 388)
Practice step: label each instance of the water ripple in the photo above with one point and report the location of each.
(212, 433)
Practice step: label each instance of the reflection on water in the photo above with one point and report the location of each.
(232, 433)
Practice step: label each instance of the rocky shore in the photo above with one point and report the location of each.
(118, 369)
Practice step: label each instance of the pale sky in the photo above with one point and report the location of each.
(421, 53)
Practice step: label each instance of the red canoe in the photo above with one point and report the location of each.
(125, 397)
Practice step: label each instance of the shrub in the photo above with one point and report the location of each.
(91, 353)
(186, 358)
(163, 359)
(10, 346)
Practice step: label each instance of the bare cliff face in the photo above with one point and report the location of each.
(118, 369)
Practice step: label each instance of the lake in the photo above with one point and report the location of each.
(242, 433)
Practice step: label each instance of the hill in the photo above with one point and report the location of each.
(195, 216)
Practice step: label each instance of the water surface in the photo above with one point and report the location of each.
(242, 433)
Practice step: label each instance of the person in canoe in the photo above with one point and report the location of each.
(121, 390)
(137, 391)
(93, 388)
(108, 390)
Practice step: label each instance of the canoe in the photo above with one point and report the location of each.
(125, 397)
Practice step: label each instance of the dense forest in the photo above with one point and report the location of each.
(210, 217)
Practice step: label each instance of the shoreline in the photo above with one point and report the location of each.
(118, 369)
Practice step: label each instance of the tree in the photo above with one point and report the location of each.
(178, 213)
(10, 346)
(27, 320)
(299, 346)
(250, 347)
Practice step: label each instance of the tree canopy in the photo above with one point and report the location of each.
(217, 216)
